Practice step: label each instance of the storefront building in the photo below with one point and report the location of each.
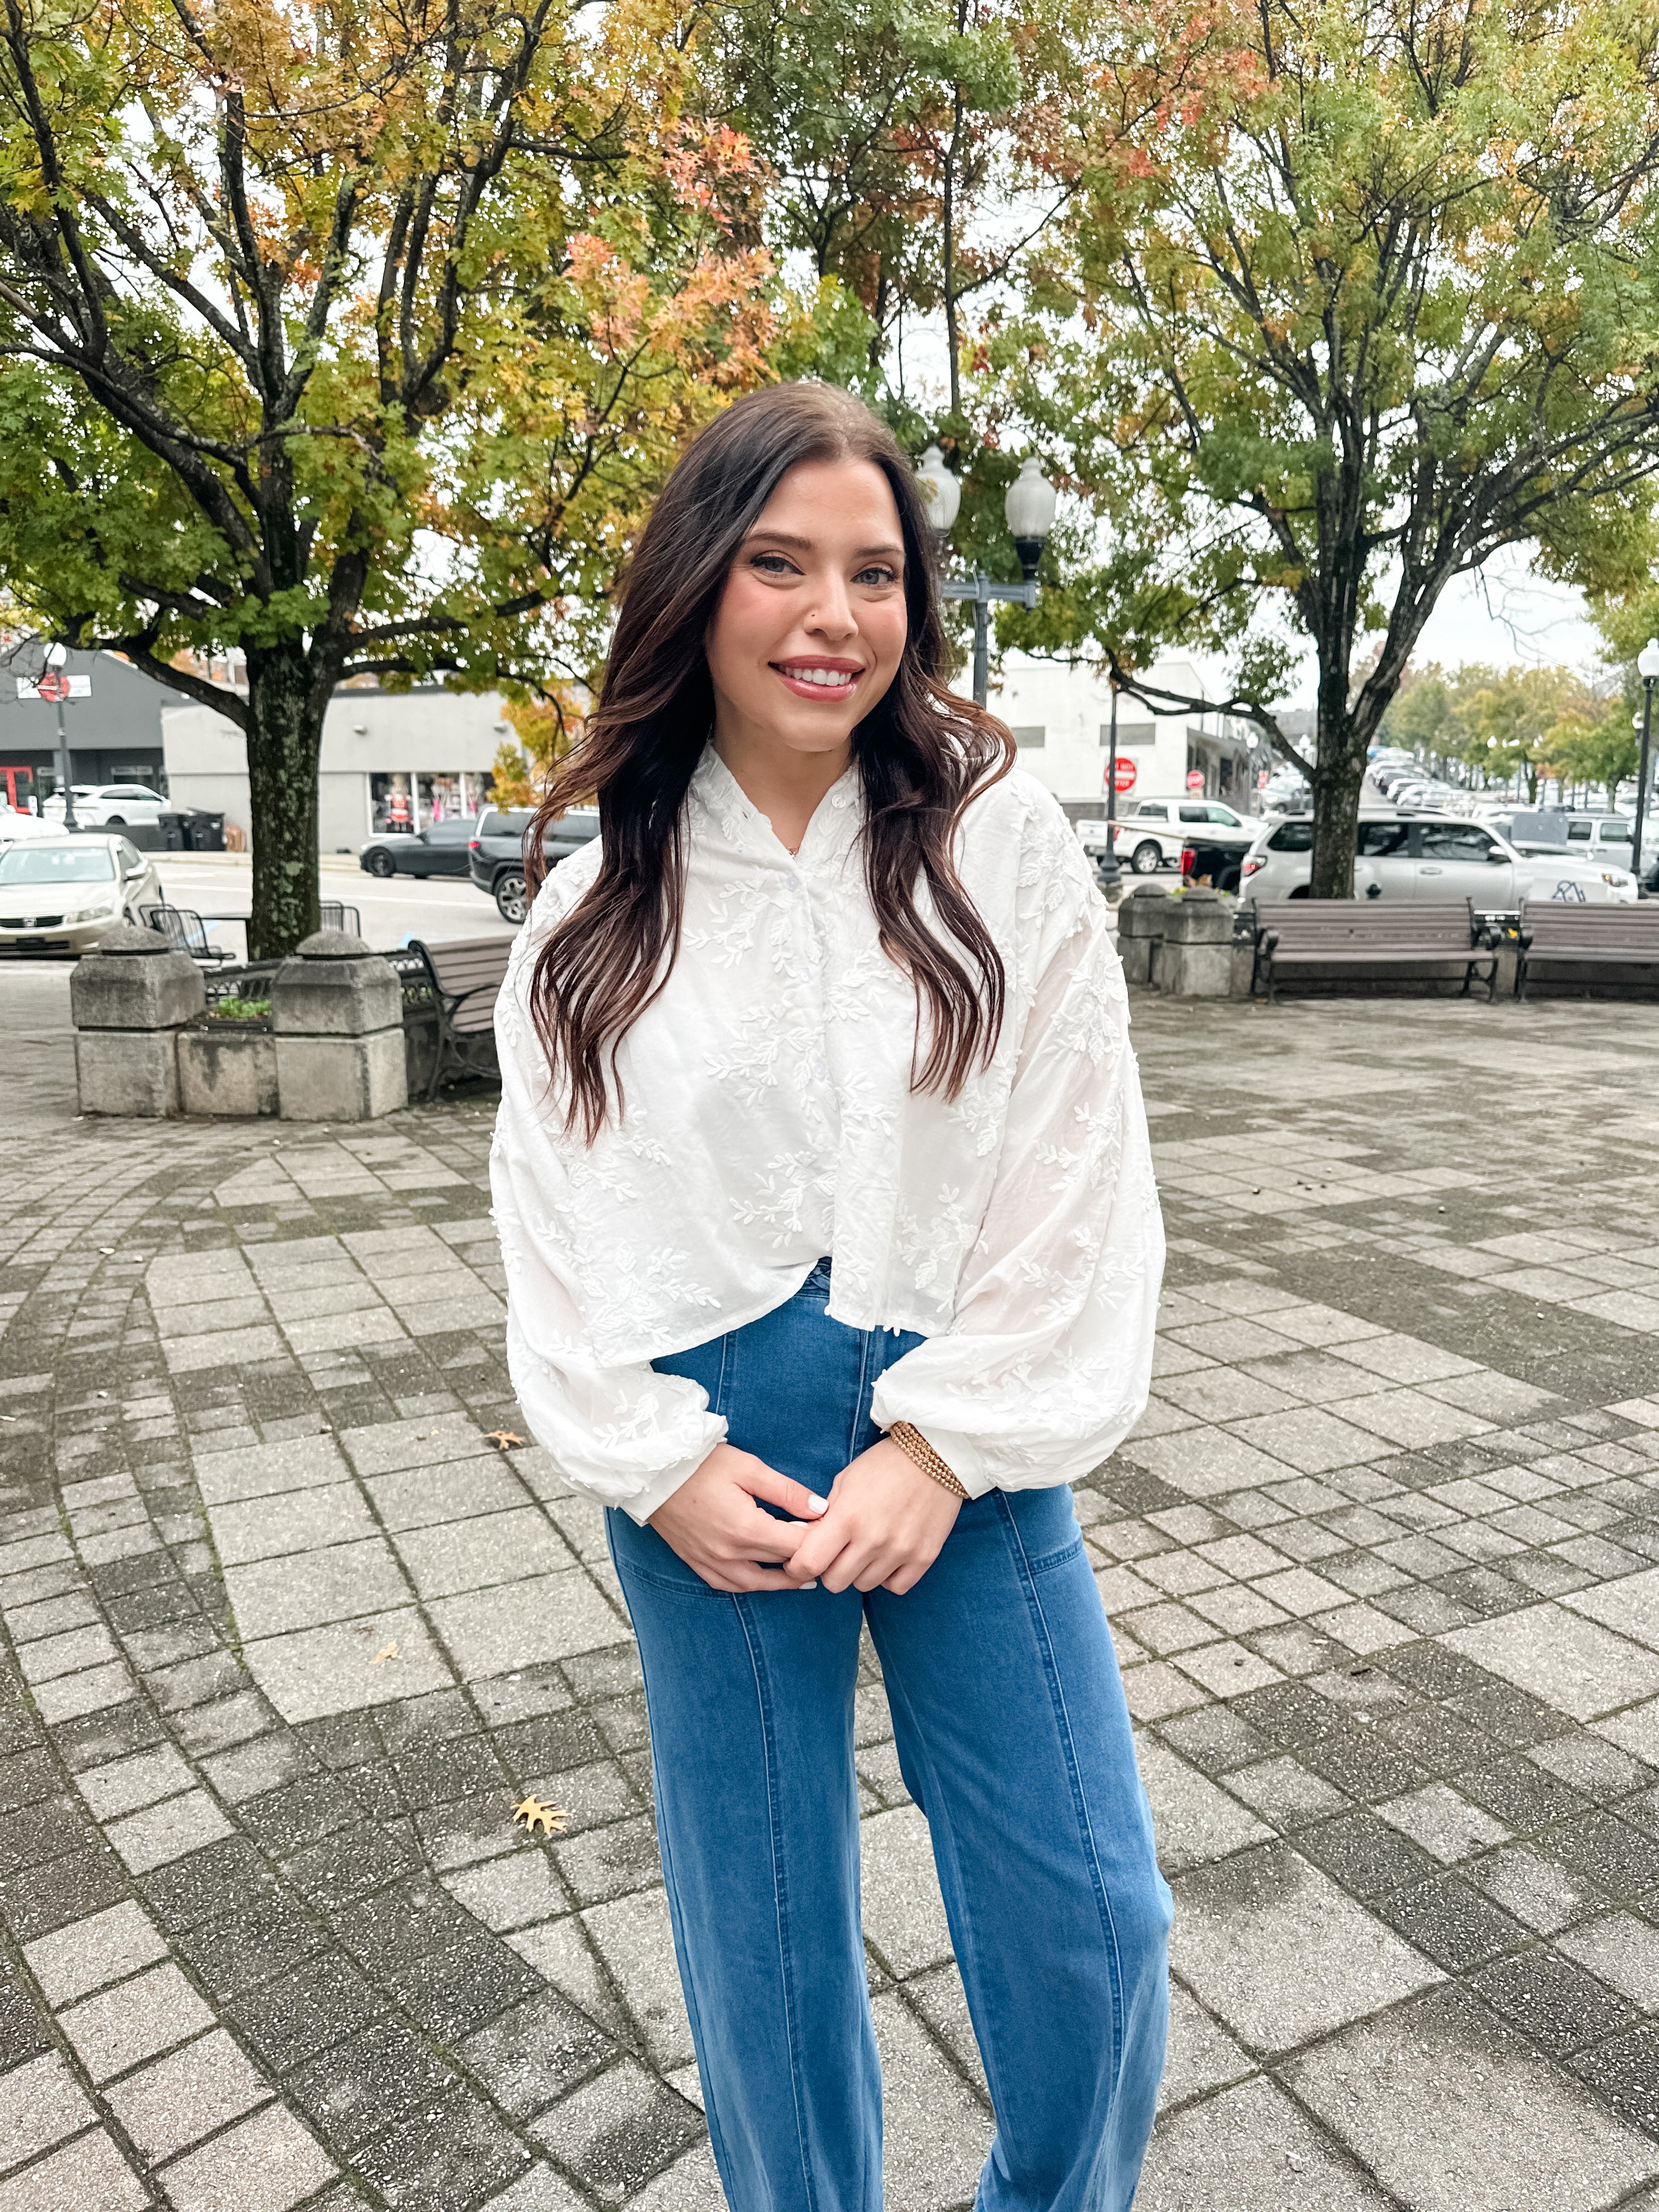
(1061, 721)
(114, 732)
(390, 761)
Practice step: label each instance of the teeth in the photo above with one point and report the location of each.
(829, 678)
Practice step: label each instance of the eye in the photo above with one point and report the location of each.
(876, 574)
(773, 564)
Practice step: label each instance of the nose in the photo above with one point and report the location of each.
(832, 616)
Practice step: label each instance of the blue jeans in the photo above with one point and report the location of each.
(1012, 1737)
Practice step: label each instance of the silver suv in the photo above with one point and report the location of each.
(1433, 856)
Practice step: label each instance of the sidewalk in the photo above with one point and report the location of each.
(292, 1620)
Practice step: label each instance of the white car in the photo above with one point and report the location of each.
(1152, 832)
(108, 805)
(15, 825)
(1433, 856)
(63, 894)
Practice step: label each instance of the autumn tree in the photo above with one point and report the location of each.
(350, 339)
(1354, 297)
(544, 730)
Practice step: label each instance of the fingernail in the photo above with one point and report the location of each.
(815, 1503)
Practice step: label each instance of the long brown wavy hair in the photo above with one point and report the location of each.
(921, 751)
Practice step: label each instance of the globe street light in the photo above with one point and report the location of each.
(1028, 510)
(1647, 667)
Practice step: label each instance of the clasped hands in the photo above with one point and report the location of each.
(883, 1525)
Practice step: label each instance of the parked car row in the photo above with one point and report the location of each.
(1435, 856)
(487, 849)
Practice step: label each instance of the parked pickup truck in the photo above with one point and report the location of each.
(1151, 832)
(495, 851)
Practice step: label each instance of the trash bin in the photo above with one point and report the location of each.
(204, 832)
(172, 826)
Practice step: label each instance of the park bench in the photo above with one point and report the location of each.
(460, 981)
(1349, 933)
(1569, 933)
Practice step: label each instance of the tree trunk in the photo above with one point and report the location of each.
(1339, 775)
(284, 744)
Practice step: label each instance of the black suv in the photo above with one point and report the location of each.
(495, 852)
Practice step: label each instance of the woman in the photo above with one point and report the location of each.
(833, 1249)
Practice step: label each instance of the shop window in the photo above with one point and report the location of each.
(392, 805)
(441, 798)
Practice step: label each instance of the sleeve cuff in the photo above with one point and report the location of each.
(662, 1488)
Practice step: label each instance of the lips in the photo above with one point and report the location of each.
(826, 679)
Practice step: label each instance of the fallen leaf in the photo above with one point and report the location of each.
(503, 1437)
(386, 1651)
(532, 1810)
(108, 1251)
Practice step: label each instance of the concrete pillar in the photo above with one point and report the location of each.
(1140, 919)
(336, 1015)
(128, 1001)
(1195, 960)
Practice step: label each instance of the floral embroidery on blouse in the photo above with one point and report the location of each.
(770, 1121)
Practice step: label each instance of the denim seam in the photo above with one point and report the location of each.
(1063, 1718)
(716, 2133)
(670, 1583)
(940, 1830)
(780, 1891)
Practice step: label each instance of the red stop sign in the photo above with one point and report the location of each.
(1195, 779)
(1124, 780)
(54, 684)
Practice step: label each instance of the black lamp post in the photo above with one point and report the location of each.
(1647, 667)
(1110, 870)
(55, 686)
(1028, 508)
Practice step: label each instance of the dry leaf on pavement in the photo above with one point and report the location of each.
(532, 1811)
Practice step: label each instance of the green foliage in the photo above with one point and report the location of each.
(355, 342)
(1351, 298)
(1536, 722)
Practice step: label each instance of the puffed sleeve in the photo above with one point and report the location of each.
(1048, 1361)
(622, 1432)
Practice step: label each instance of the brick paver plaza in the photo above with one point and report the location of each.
(290, 1625)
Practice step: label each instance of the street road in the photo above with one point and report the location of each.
(437, 908)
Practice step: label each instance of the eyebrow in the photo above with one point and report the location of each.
(805, 544)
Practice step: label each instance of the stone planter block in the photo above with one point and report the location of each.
(334, 987)
(228, 1072)
(135, 981)
(1199, 916)
(126, 1072)
(341, 1078)
(336, 1015)
(1187, 970)
(1140, 923)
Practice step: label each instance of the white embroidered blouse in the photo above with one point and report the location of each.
(770, 1121)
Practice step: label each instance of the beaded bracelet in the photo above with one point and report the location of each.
(915, 1446)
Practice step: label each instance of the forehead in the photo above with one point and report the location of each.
(833, 501)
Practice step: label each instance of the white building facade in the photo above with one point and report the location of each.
(390, 761)
(1060, 717)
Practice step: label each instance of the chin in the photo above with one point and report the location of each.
(814, 738)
